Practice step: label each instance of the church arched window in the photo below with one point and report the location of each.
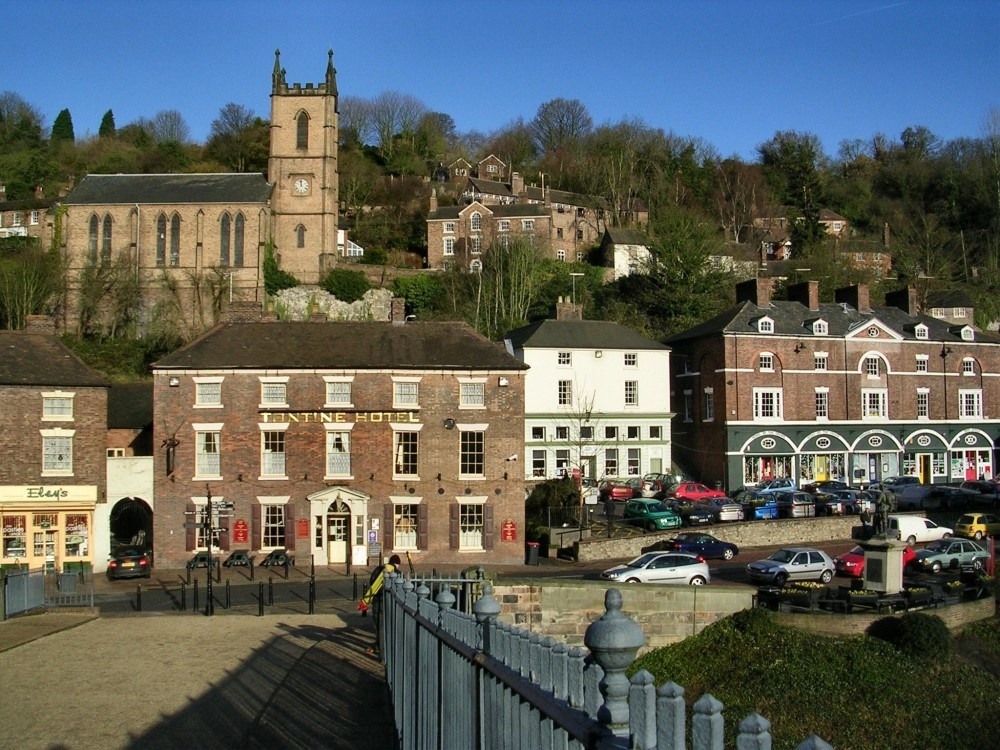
(92, 240)
(224, 226)
(238, 241)
(106, 240)
(302, 131)
(161, 240)
(175, 240)
(300, 236)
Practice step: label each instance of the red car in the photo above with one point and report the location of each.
(693, 491)
(620, 491)
(852, 563)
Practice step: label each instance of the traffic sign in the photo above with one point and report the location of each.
(225, 505)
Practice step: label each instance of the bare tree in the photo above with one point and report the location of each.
(239, 139)
(394, 114)
(169, 125)
(558, 129)
(508, 285)
(740, 196)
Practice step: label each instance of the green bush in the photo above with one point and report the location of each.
(345, 285)
(422, 293)
(276, 279)
(375, 257)
(920, 636)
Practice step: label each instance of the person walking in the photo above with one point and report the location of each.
(372, 599)
(866, 523)
(609, 511)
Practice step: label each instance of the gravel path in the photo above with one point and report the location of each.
(195, 682)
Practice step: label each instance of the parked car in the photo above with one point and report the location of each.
(724, 509)
(662, 567)
(655, 485)
(692, 491)
(770, 486)
(983, 492)
(830, 505)
(793, 564)
(795, 504)
(651, 514)
(852, 564)
(692, 514)
(896, 483)
(913, 529)
(951, 553)
(705, 545)
(619, 490)
(915, 497)
(977, 525)
(129, 562)
(761, 508)
(825, 486)
(856, 501)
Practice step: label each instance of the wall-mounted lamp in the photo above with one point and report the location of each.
(799, 347)
(439, 476)
(174, 382)
(598, 354)
(449, 424)
(371, 477)
(239, 477)
(945, 350)
(503, 382)
(505, 475)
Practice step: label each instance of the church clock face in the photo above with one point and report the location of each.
(301, 186)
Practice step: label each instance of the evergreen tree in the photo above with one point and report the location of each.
(107, 129)
(62, 128)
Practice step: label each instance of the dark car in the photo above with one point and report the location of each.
(826, 486)
(796, 504)
(651, 514)
(982, 492)
(129, 562)
(705, 545)
(693, 514)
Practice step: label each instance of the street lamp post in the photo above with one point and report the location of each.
(574, 275)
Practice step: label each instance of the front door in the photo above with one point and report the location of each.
(337, 539)
(925, 469)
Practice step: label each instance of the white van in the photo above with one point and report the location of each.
(914, 529)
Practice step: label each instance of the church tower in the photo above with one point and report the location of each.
(303, 170)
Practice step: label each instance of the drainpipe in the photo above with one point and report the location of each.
(138, 234)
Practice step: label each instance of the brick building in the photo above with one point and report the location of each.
(462, 234)
(27, 217)
(841, 390)
(52, 450)
(194, 240)
(343, 441)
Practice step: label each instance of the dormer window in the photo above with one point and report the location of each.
(765, 325)
(820, 328)
(920, 331)
(968, 334)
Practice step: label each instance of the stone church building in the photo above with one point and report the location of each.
(193, 241)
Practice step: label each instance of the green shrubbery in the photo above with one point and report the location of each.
(919, 635)
(346, 285)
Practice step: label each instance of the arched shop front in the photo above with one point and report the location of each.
(875, 456)
(767, 455)
(926, 456)
(822, 456)
(971, 455)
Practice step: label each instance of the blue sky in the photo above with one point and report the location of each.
(732, 72)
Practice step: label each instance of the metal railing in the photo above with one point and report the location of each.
(466, 680)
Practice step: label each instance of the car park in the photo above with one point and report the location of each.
(663, 568)
(770, 486)
(618, 490)
(852, 564)
(692, 491)
(129, 562)
(724, 509)
(951, 554)
(796, 504)
(977, 525)
(706, 545)
(914, 529)
(651, 514)
(983, 492)
(655, 485)
(825, 486)
(793, 564)
(856, 501)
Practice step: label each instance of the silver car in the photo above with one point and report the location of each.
(793, 564)
(723, 508)
(662, 567)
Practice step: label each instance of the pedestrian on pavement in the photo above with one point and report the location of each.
(866, 522)
(609, 511)
(372, 599)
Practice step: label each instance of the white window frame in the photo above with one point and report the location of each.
(528, 225)
(822, 402)
(564, 359)
(768, 404)
(449, 246)
(449, 227)
(472, 536)
(273, 392)
(405, 392)
(821, 361)
(57, 452)
(504, 225)
(923, 403)
(631, 359)
(398, 446)
(57, 406)
(968, 366)
(208, 392)
(872, 366)
(34, 222)
(470, 453)
(765, 362)
(631, 393)
(820, 328)
(202, 442)
(335, 388)
(968, 334)
(709, 415)
(538, 463)
(477, 245)
(765, 325)
(564, 393)
(922, 363)
(405, 523)
(338, 444)
(970, 403)
(270, 537)
(874, 397)
(273, 468)
(920, 331)
(476, 221)
(471, 393)
(537, 432)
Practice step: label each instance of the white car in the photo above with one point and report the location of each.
(914, 529)
(662, 567)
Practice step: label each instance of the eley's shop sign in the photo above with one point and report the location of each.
(69, 493)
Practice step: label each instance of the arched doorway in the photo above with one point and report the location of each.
(340, 516)
(131, 522)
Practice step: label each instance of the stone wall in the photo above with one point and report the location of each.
(669, 614)
(798, 531)
(301, 302)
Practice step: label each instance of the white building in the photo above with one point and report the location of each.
(597, 398)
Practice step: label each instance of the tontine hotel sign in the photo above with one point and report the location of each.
(337, 417)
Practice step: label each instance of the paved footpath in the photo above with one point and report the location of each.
(82, 682)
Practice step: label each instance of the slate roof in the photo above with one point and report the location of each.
(169, 188)
(130, 405)
(563, 196)
(949, 298)
(580, 334)
(341, 346)
(37, 359)
(795, 319)
(620, 236)
(501, 211)
(491, 187)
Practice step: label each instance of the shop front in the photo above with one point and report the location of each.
(971, 454)
(823, 456)
(767, 455)
(875, 455)
(925, 456)
(47, 526)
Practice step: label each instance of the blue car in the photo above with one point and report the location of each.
(767, 509)
(705, 545)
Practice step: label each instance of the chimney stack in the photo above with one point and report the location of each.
(757, 291)
(566, 310)
(806, 293)
(906, 299)
(244, 311)
(856, 296)
(397, 311)
(434, 199)
(516, 184)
